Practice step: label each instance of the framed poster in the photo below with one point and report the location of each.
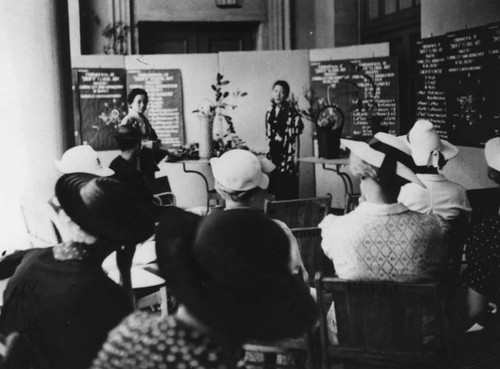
(100, 105)
(365, 91)
(165, 112)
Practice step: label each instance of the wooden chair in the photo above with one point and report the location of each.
(315, 260)
(299, 213)
(459, 228)
(382, 323)
(300, 350)
(42, 222)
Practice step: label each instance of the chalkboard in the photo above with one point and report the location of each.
(365, 90)
(164, 88)
(100, 105)
(466, 86)
(431, 83)
(458, 84)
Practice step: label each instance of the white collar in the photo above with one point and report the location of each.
(432, 177)
(381, 209)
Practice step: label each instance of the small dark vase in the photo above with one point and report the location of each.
(329, 126)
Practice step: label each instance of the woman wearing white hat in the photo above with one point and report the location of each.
(482, 252)
(441, 196)
(382, 239)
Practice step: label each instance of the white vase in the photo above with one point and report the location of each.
(206, 130)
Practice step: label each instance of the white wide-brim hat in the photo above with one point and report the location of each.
(376, 157)
(240, 170)
(492, 153)
(425, 144)
(82, 159)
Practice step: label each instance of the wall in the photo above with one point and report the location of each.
(438, 18)
(35, 103)
(196, 10)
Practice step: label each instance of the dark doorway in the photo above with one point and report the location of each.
(190, 37)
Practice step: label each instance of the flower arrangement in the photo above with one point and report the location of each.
(226, 139)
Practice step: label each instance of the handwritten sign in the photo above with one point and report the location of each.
(365, 90)
(164, 88)
(100, 105)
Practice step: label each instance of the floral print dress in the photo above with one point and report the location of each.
(283, 127)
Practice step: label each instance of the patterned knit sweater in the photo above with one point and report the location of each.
(384, 242)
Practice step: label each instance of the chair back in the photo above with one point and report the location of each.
(457, 234)
(299, 213)
(381, 322)
(42, 222)
(484, 202)
(162, 193)
(313, 257)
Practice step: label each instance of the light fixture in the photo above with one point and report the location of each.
(225, 4)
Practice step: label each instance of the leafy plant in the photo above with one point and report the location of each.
(221, 105)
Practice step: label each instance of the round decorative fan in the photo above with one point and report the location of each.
(330, 117)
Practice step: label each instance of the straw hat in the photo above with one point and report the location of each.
(82, 159)
(425, 145)
(384, 146)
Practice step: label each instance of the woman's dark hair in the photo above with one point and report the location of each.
(494, 175)
(236, 196)
(285, 85)
(126, 144)
(136, 91)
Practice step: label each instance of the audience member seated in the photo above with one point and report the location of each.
(482, 251)
(239, 177)
(229, 272)
(78, 159)
(382, 239)
(59, 298)
(442, 197)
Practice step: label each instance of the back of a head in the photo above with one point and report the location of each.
(231, 272)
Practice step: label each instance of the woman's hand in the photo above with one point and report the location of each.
(148, 144)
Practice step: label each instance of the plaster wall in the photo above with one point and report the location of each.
(35, 108)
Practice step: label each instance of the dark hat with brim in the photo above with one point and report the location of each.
(105, 208)
(230, 270)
